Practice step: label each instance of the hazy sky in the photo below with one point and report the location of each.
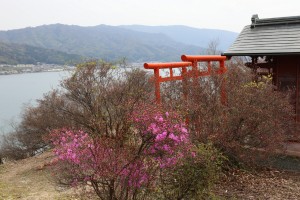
(230, 15)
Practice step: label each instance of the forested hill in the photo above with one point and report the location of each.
(189, 35)
(18, 53)
(113, 42)
(101, 41)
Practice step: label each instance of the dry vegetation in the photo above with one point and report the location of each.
(270, 184)
(100, 105)
(33, 179)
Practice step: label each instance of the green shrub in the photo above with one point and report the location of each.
(195, 178)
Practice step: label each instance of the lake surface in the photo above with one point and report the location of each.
(20, 90)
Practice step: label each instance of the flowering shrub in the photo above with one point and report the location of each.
(72, 145)
(160, 143)
(168, 141)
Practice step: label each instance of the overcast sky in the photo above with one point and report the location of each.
(230, 15)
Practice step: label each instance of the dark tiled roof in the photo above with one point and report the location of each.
(271, 36)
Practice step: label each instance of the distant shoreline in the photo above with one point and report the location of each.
(7, 74)
(30, 68)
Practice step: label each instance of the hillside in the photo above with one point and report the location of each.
(108, 42)
(17, 53)
(189, 35)
(33, 178)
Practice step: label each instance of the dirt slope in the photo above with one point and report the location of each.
(31, 179)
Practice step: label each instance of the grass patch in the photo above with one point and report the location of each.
(8, 191)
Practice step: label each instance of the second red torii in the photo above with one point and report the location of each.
(188, 61)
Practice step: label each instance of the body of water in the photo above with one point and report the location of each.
(20, 90)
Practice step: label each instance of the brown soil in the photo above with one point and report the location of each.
(32, 179)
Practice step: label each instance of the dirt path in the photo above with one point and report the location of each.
(31, 179)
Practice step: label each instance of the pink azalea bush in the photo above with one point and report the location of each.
(88, 158)
(169, 140)
(162, 142)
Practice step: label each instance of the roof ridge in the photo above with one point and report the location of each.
(274, 21)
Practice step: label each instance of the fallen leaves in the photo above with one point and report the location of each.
(269, 184)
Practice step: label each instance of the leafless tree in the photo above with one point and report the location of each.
(97, 98)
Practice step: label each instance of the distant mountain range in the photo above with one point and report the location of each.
(60, 43)
(190, 36)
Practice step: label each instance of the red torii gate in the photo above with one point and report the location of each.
(188, 61)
